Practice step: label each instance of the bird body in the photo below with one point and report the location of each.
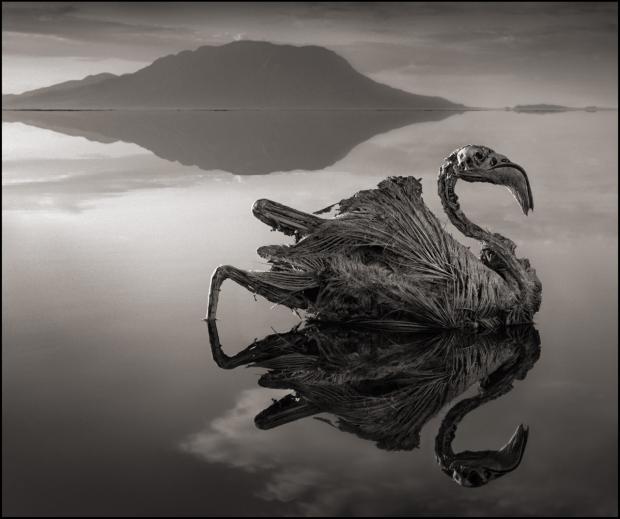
(385, 258)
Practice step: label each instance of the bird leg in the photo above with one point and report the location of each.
(285, 219)
(220, 358)
(285, 288)
(270, 347)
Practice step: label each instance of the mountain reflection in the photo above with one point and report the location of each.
(384, 386)
(239, 142)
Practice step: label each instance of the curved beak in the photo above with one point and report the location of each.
(515, 179)
(507, 174)
(512, 452)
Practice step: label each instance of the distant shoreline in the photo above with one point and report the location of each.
(459, 110)
(243, 109)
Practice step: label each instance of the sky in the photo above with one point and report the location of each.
(479, 54)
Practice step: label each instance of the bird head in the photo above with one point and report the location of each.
(475, 163)
(475, 469)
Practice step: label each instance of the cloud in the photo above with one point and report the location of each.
(66, 22)
(291, 474)
(49, 30)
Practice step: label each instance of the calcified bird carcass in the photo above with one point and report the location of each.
(386, 258)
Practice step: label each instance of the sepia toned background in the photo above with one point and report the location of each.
(112, 225)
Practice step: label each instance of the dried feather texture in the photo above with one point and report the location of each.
(384, 386)
(387, 258)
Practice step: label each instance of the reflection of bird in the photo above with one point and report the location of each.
(385, 386)
(386, 257)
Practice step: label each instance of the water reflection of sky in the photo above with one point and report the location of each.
(108, 383)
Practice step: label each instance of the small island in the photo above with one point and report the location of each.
(544, 108)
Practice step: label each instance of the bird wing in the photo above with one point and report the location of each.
(394, 219)
(428, 269)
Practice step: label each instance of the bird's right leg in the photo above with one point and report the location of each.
(286, 219)
(286, 288)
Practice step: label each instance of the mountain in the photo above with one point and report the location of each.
(238, 75)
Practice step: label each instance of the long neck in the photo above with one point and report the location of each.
(517, 273)
(450, 202)
(447, 430)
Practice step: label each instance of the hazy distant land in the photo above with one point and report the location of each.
(550, 108)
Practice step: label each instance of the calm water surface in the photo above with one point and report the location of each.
(112, 403)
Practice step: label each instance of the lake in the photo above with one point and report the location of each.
(112, 226)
